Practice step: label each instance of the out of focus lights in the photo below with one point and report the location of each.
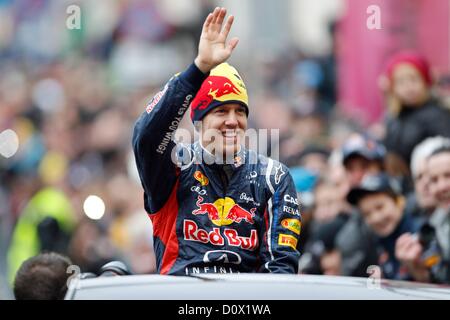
(9, 143)
(94, 207)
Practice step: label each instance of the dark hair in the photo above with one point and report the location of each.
(43, 277)
(443, 149)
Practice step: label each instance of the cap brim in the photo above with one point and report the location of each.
(358, 153)
(356, 194)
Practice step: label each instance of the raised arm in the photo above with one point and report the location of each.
(153, 131)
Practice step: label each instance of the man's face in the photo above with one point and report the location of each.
(223, 129)
(408, 85)
(316, 162)
(439, 172)
(422, 186)
(357, 167)
(338, 177)
(381, 213)
(327, 203)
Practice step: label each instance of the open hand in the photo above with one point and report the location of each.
(212, 48)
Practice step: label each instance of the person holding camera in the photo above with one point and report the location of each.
(427, 255)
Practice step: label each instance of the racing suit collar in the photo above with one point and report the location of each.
(209, 159)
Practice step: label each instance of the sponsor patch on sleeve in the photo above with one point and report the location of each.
(287, 240)
(156, 99)
(293, 225)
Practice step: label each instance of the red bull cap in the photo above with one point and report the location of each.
(223, 85)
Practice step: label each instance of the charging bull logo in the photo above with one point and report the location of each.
(215, 88)
(223, 84)
(224, 212)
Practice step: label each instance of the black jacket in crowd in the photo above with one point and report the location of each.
(413, 125)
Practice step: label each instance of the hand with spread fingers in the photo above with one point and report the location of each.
(212, 48)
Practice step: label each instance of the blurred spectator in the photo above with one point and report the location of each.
(327, 202)
(439, 170)
(383, 210)
(414, 113)
(337, 176)
(42, 277)
(136, 233)
(46, 224)
(362, 155)
(427, 256)
(320, 255)
(330, 213)
(421, 202)
(304, 181)
(90, 248)
(443, 89)
(314, 158)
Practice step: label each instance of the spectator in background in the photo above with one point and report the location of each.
(337, 176)
(46, 224)
(321, 255)
(42, 277)
(327, 202)
(361, 155)
(383, 209)
(427, 256)
(314, 158)
(414, 113)
(330, 214)
(421, 202)
(90, 247)
(304, 181)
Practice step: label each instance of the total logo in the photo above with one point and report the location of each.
(292, 224)
(193, 233)
(224, 211)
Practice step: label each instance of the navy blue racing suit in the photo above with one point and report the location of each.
(209, 217)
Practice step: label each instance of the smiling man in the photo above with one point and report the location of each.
(430, 260)
(215, 206)
(219, 112)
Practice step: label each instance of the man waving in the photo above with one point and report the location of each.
(215, 206)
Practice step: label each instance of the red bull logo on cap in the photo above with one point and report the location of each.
(215, 88)
(223, 84)
(224, 211)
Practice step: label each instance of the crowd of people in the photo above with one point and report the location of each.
(393, 210)
(369, 196)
